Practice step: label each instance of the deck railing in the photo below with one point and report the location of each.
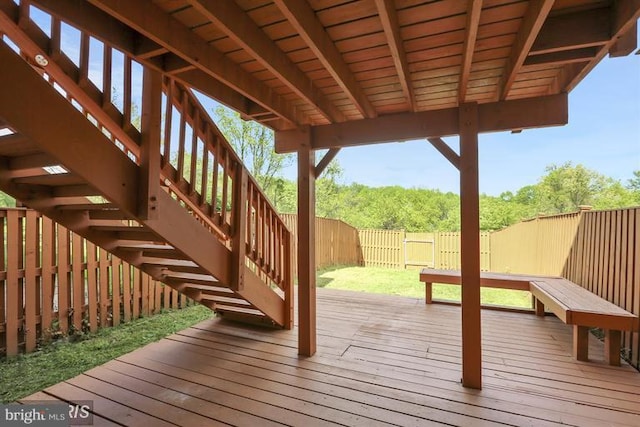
(52, 279)
(198, 165)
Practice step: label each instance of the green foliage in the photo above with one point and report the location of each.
(254, 144)
(27, 374)
(6, 201)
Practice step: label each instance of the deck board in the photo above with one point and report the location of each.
(381, 360)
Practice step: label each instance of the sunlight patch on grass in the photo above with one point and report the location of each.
(407, 283)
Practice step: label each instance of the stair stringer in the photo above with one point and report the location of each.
(82, 149)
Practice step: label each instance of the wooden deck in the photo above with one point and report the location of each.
(381, 360)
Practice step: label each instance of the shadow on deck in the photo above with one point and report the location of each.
(381, 360)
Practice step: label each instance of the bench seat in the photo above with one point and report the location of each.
(571, 303)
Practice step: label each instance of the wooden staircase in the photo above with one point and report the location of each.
(167, 195)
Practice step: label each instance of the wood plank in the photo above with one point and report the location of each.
(32, 296)
(116, 267)
(103, 273)
(77, 280)
(127, 300)
(136, 283)
(48, 251)
(64, 276)
(92, 286)
(13, 287)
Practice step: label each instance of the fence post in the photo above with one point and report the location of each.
(239, 241)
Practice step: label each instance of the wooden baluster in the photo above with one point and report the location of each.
(127, 109)
(106, 77)
(225, 187)
(83, 74)
(194, 153)
(168, 115)
(181, 141)
(204, 176)
(214, 178)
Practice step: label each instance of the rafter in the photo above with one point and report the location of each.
(493, 117)
(111, 31)
(473, 22)
(236, 24)
(389, 19)
(151, 21)
(532, 23)
(304, 20)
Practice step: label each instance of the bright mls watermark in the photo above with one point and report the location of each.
(47, 414)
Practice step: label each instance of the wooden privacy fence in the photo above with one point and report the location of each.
(599, 250)
(54, 281)
(337, 242)
(399, 249)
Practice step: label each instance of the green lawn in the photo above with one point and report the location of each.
(26, 374)
(406, 283)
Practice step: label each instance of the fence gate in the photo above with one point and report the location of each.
(419, 250)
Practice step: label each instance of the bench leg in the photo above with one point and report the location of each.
(581, 342)
(539, 308)
(612, 347)
(428, 289)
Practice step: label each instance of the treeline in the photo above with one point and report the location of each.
(562, 189)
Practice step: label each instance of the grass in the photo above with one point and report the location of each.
(26, 374)
(406, 283)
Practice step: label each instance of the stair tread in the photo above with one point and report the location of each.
(53, 180)
(88, 206)
(149, 246)
(186, 277)
(208, 289)
(236, 302)
(240, 310)
(14, 145)
(170, 262)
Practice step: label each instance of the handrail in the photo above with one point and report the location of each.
(198, 165)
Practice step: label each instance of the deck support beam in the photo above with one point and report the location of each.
(470, 247)
(306, 249)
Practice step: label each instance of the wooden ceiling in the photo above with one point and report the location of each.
(290, 63)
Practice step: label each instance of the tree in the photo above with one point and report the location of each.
(564, 188)
(254, 144)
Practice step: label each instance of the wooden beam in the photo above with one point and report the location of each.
(325, 161)
(154, 23)
(446, 151)
(150, 123)
(473, 22)
(585, 54)
(573, 31)
(494, 117)
(624, 16)
(230, 18)
(306, 250)
(304, 20)
(531, 24)
(239, 239)
(626, 43)
(108, 29)
(389, 19)
(470, 247)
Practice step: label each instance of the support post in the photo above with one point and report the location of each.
(240, 218)
(470, 247)
(306, 250)
(151, 120)
(612, 347)
(581, 343)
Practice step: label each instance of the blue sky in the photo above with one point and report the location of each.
(603, 134)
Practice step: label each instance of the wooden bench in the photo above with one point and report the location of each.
(570, 302)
